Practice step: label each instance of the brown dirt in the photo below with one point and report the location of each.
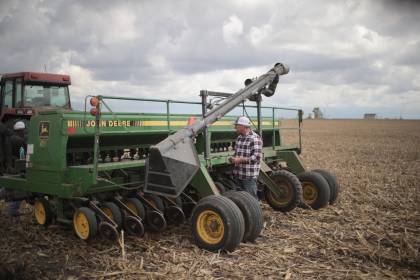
(373, 232)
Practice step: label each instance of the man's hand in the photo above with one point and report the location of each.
(238, 160)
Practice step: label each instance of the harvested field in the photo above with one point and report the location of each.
(373, 232)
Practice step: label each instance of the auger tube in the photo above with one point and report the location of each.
(174, 161)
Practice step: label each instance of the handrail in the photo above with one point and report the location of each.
(168, 102)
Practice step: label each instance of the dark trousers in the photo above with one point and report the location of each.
(248, 185)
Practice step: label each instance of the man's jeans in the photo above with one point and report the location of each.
(248, 185)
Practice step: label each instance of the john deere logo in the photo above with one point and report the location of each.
(44, 130)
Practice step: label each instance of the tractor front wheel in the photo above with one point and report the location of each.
(217, 224)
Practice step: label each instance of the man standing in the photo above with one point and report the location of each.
(16, 150)
(247, 158)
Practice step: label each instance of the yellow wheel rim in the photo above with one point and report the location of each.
(285, 198)
(81, 225)
(210, 227)
(108, 212)
(40, 213)
(310, 193)
(132, 207)
(152, 202)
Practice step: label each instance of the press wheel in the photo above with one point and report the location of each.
(174, 215)
(133, 226)
(108, 231)
(156, 221)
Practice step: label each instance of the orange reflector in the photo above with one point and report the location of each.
(191, 120)
(71, 130)
(94, 101)
(94, 111)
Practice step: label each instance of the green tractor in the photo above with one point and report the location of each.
(23, 94)
(102, 171)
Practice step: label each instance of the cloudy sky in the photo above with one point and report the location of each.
(347, 57)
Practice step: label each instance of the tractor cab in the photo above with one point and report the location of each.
(23, 94)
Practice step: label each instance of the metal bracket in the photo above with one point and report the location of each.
(265, 178)
(101, 213)
(121, 204)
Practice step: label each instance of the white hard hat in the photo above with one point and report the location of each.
(19, 125)
(243, 121)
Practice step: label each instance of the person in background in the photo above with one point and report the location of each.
(18, 146)
(247, 157)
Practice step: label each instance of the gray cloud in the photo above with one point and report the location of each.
(339, 51)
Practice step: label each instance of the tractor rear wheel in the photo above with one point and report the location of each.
(332, 183)
(251, 210)
(217, 224)
(291, 188)
(113, 212)
(85, 223)
(315, 189)
(43, 212)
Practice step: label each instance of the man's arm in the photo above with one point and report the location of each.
(256, 151)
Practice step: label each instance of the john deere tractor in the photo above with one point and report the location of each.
(102, 172)
(24, 94)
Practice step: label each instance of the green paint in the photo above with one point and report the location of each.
(57, 135)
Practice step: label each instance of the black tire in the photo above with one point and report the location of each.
(133, 226)
(156, 222)
(332, 183)
(155, 200)
(92, 222)
(251, 210)
(315, 190)
(46, 215)
(108, 231)
(229, 184)
(223, 210)
(137, 207)
(177, 201)
(114, 210)
(292, 187)
(220, 187)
